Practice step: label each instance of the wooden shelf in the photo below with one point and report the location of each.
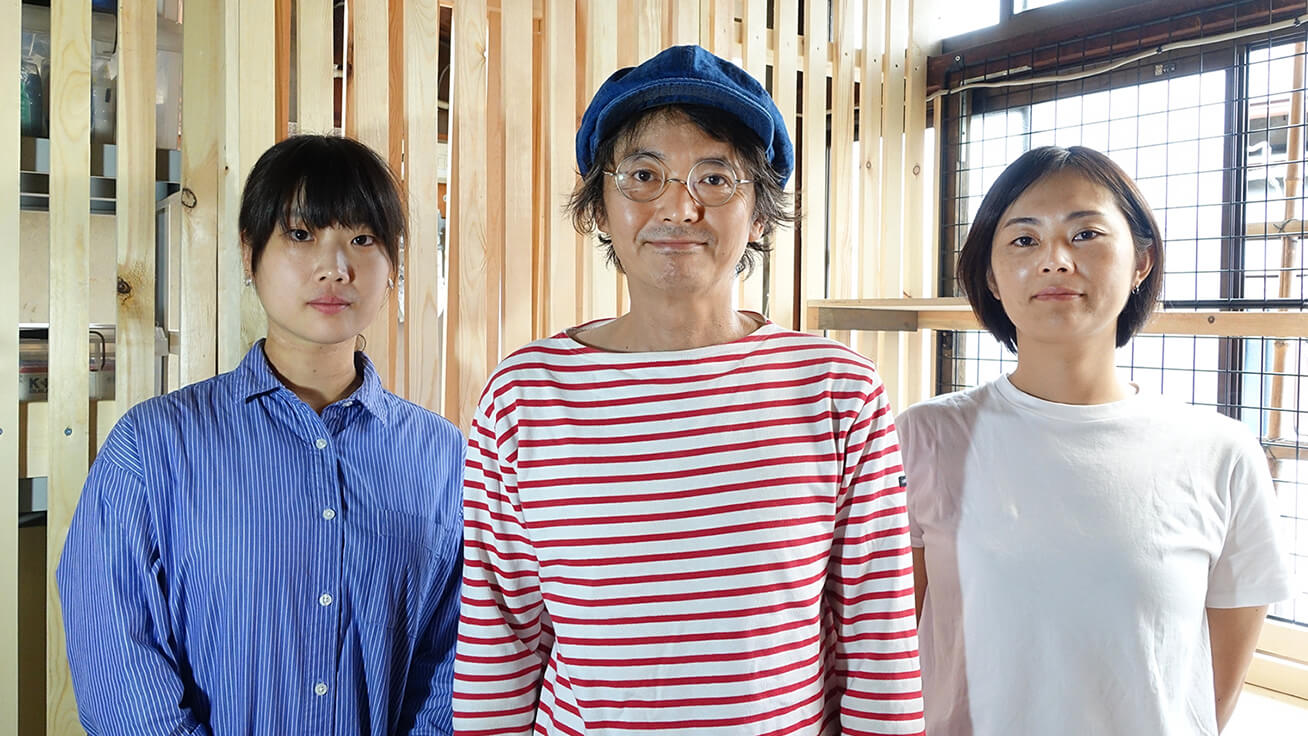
(953, 313)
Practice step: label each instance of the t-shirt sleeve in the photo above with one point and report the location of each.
(907, 426)
(1251, 569)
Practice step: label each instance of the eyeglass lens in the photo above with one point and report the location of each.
(643, 178)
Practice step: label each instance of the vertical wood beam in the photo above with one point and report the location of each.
(368, 120)
(517, 38)
(843, 213)
(920, 255)
(563, 246)
(70, 270)
(136, 365)
(232, 293)
(466, 371)
(682, 22)
(890, 345)
(754, 59)
(496, 216)
(282, 32)
(260, 127)
(11, 18)
(813, 195)
(202, 126)
(425, 353)
(871, 96)
(314, 66)
(601, 61)
(782, 290)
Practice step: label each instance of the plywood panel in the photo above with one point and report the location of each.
(516, 94)
(10, 18)
(466, 370)
(369, 111)
(34, 267)
(781, 282)
(564, 248)
(70, 230)
(813, 195)
(202, 125)
(425, 352)
(134, 376)
(314, 66)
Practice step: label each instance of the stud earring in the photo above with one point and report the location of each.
(248, 281)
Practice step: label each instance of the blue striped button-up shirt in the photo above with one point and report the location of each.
(240, 565)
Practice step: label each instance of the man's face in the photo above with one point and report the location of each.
(672, 245)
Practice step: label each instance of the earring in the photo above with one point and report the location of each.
(248, 280)
(1136, 289)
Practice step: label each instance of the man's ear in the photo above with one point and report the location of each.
(756, 230)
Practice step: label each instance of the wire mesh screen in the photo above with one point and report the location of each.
(1214, 136)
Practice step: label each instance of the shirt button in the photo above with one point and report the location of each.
(320, 689)
(325, 599)
(328, 514)
(320, 443)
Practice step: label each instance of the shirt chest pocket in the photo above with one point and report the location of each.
(397, 578)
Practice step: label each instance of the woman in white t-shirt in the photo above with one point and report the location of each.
(1089, 559)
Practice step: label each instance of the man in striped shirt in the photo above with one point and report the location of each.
(686, 519)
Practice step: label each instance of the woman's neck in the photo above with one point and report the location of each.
(1069, 374)
(319, 375)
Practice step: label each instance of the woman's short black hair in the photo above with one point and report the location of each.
(771, 203)
(320, 181)
(1030, 167)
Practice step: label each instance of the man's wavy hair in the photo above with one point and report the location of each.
(771, 203)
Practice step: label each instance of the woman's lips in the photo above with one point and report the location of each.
(330, 306)
(1057, 294)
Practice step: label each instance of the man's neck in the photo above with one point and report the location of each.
(668, 324)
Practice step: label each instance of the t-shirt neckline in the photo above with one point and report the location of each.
(1068, 412)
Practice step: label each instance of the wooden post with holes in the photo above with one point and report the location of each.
(10, 18)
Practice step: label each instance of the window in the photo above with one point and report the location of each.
(1215, 136)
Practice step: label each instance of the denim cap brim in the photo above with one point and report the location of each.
(686, 75)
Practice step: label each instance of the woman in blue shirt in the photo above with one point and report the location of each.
(277, 550)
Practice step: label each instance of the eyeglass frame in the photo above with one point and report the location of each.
(736, 182)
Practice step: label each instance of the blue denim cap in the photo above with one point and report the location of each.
(685, 75)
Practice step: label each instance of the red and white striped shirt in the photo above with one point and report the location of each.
(699, 541)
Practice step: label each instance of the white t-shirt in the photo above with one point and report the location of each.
(1070, 554)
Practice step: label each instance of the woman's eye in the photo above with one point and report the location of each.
(364, 240)
(299, 235)
(1086, 235)
(1024, 241)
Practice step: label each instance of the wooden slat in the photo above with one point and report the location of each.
(565, 250)
(230, 269)
(282, 64)
(495, 219)
(649, 21)
(202, 123)
(953, 313)
(682, 26)
(890, 349)
(425, 353)
(369, 121)
(754, 60)
(314, 66)
(722, 27)
(781, 286)
(134, 377)
(516, 78)
(871, 173)
(10, 17)
(258, 132)
(601, 61)
(813, 196)
(466, 370)
(842, 214)
(919, 262)
(70, 227)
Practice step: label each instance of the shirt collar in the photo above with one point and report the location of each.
(254, 377)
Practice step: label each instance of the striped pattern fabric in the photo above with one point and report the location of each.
(703, 541)
(239, 564)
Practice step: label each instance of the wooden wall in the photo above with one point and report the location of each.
(519, 73)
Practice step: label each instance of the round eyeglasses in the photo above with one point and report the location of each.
(643, 178)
